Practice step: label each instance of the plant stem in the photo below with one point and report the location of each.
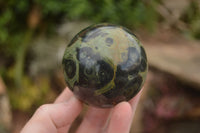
(20, 58)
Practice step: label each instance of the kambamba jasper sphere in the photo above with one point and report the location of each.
(105, 64)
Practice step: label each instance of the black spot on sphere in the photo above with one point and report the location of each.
(135, 83)
(70, 68)
(135, 70)
(112, 93)
(105, 72)
(121, 77)
(143, 65)
(83, 79)
(109, 41)
(133, 87)
(143, 52)
(119, 81)
(88, 71)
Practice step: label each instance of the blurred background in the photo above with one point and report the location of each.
(34, 34)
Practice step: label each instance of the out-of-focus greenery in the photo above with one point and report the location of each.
(192, 18)
(23, 20)
(16, 16)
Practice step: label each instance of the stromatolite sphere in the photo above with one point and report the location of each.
(105, 64)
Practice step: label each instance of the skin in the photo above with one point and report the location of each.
(59, 116)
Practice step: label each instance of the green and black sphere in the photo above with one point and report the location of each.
(105, 64)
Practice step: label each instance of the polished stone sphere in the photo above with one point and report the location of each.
(105, 64)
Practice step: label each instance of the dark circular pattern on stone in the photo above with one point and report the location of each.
(109, 41)
(70, 68)
(105, 64)
(143, 65)
(105, 72)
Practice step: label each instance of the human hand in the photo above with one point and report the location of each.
(58, 117)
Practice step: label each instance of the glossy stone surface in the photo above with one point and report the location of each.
(105, 64)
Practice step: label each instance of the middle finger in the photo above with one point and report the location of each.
(94, 121)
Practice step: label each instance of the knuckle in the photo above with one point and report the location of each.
(43, 108)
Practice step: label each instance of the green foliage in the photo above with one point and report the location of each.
(31, 93)
(131, 13)
(14, 15)
(192, 18)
